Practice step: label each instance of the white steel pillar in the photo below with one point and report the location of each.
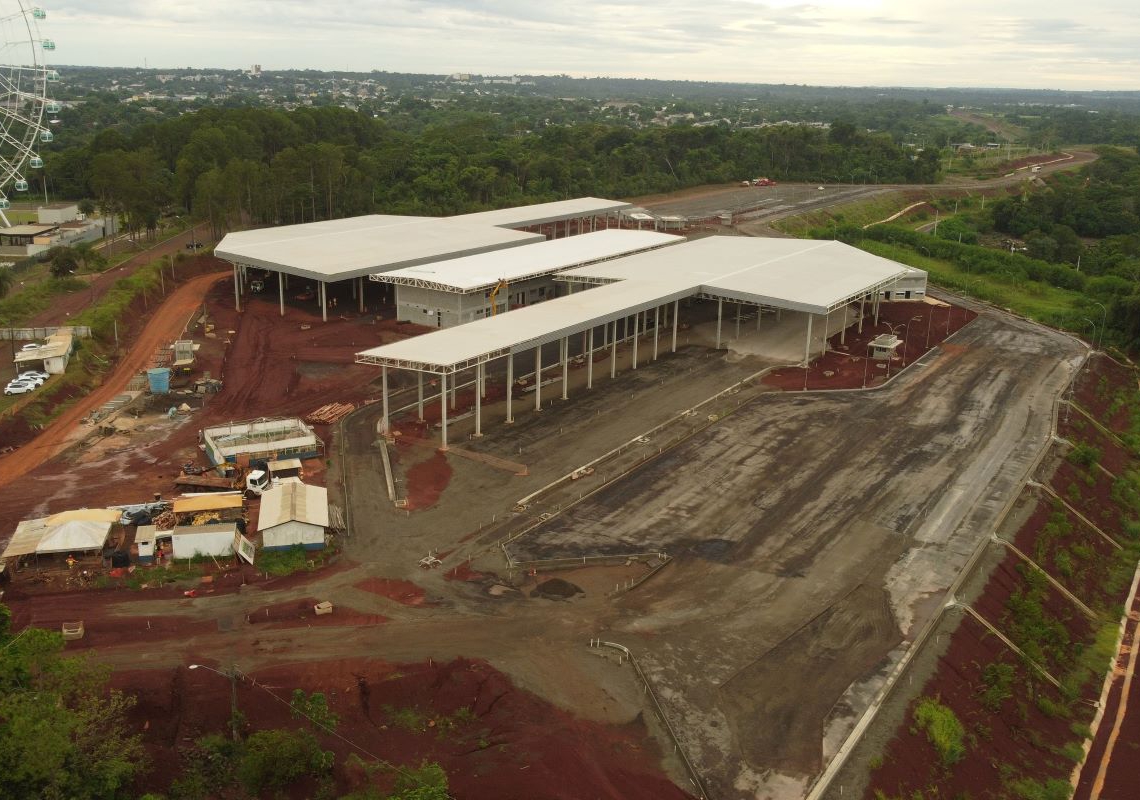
(420, 395)
(443, 410)
(676, 309)
(324, 302)
(565, 348)
(656, 329)
(807, 344)
(281, 291)
(613, 352)
(862, 301)
(538, 378)
(590, 359)
(636, 332)
(719, 316)
(738, 320)
(759, 316)
(876, 309)
(384, 395)
(478, 399)
(237, 289)
(510, 387)
(843, 333)
(360, 295)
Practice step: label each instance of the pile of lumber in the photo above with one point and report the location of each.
(328, 414)
(165, 521)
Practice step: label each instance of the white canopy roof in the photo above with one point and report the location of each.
(291, 501)
(483, 271)
(71, 535)
(542, 213)
(340, 249)
(810, 276)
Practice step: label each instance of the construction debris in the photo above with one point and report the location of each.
(330, 413)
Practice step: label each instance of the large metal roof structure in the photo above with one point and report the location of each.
(815, 277)
(809, 276)
(483, 271)
(340, 249)
(544, 213)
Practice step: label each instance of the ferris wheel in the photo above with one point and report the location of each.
(24, 84)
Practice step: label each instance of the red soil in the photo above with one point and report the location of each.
(1082, 553)
(1090, 492)
(1019, 735)
(843, 366)
(1075, 427)
(493, 739)
(404, 592)
(463, 572)
(1101, 386)
(300, 614)
(427, 480)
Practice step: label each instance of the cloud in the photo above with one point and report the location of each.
(1032, 44)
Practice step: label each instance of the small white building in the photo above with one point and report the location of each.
(189, 541)
(293, 513)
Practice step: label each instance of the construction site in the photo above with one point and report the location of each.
(689, 511)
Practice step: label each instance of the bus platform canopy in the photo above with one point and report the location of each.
(341, 249)
(545, 213)
(481, 272)
(814, 277)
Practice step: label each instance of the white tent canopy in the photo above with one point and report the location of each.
(77, 531)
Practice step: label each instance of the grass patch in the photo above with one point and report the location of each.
(863, 212)
(280, 563)
(943, 730)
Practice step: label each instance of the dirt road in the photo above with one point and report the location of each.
(166, 324)
(65, 306)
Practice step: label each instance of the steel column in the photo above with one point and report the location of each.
(360, 295)
(281, 291)
(807, 344)
(656, 328)
(384, 395)
(237, 289)
(676, 310)
(478, 400)
(843, 333)
(443, 410)
(538, 378)
(719, 314)
(613, 352)
(636, 327)
(420, 395)
(510, 387)
(565, 348)
(324, 302)
(590, 359)
(738, 320)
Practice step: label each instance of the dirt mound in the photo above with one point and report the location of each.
(556, 589)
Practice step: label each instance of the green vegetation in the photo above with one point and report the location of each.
(943, 730)
(315, 708)
(280, 563)
(1052, 789)
(998, 681)
(1084, 455)
(63, 734)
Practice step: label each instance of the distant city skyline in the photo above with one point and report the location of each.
(922, 43)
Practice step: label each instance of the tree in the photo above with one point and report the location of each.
(64, 261)
(63, 734)
(6, 279)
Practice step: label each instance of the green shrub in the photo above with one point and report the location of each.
(1052, 789)
(273, 759)
(998, 680)
(943, 730)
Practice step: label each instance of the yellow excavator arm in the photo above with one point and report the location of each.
(502, 284)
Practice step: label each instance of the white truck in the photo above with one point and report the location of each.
(257, 481)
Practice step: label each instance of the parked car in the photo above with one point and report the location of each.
(19, 387)
(31, 346)
(35, 380)
(33, 373)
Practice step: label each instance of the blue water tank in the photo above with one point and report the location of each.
(159, 380)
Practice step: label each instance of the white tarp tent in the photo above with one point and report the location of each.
(79, 531)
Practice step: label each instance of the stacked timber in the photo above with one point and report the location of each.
(330, 413)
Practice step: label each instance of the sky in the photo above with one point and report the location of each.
(1032, 44)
